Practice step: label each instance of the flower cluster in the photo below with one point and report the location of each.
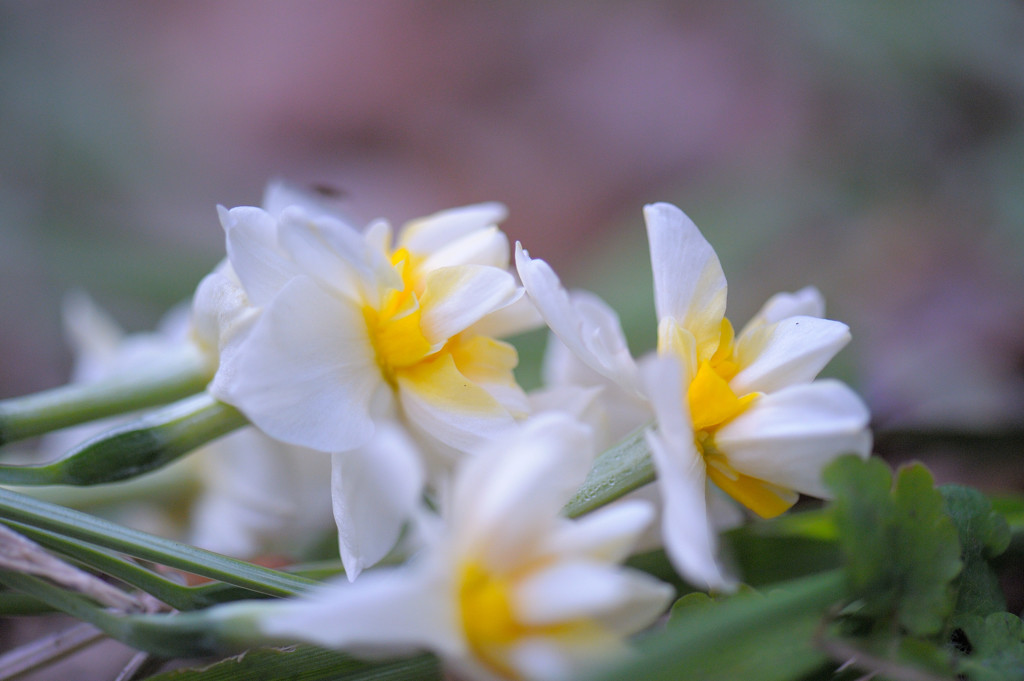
(380, 350)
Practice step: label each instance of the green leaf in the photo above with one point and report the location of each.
(14, 603)
(134, 448)
(768, 553)
(179, 375)
(996, 648)
(306, 663)
(616, 471)
(748, 636)
(82, 526)
(1012, 509)
(983, 534)
(690, 605)
(685, 607)
(900, 547)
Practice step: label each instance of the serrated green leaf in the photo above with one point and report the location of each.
(901, 549)
(306, 663)
(983, 534)
(997, 648)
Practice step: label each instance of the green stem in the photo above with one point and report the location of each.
(181, 374)
(178, 596)
(623, 468)
(179, 635)
(129, 450)
(24, 509)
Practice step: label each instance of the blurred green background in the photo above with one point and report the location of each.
(873, 149)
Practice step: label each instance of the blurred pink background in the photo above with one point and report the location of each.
(874, 150)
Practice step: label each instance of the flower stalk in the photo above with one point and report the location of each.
(181, 374)
(142, 445)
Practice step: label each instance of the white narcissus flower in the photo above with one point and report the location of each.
(742, 412)
(380, 351)
(507, 588)
(252, 495)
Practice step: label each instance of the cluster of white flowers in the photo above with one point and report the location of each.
(380, 352)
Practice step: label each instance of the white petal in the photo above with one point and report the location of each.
(261, 265)
(787, 437)
(259, 495)
(690, 540)
(90, 330)
(222, 317)
(388, 608)
(607, 534)
(559, 657)
(442, 403)
(488, 246)
(376, 489)
(543, 659)
(587, 326)
(807, 302)
(307, 372)
(456, 297)
(528, 478)
(336, 256)
(689, 285)
(785, 353)
(280, 195)
(378, 236)
(573, 400)
(602, 331)
(678, 342)
(519, 316)
(571, 590)
(175, 324)
(648, 599)
(434, 232)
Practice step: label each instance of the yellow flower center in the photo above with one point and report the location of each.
(457, 373)
(713, 404)
(395, 328)
(489, 620)
(485, 606)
